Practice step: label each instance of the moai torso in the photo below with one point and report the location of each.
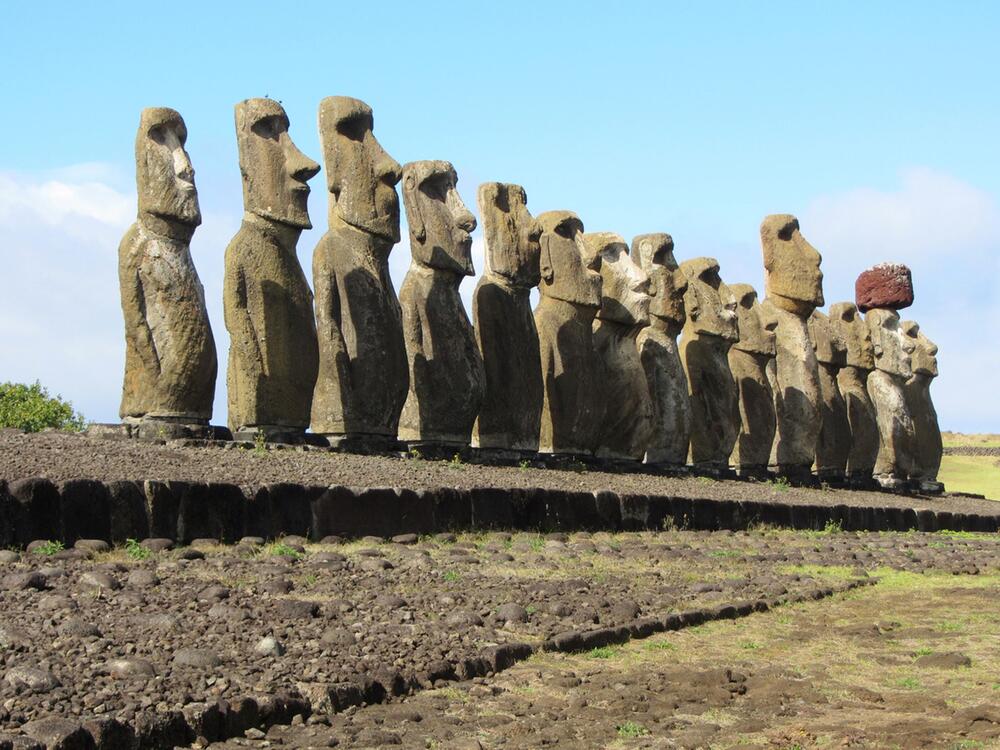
(748, 360)
(670, 435)
(570, 295)
(834, 443)
(511, 412)
(170, 359)
(852, 380)
(927, 434)
(710, 331)
(627, 418)
(446, 369)
(273, 355)
(363, 373)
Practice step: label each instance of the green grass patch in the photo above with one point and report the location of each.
(630, 729)
(49, 548)
(603, 652)
(136, 551)
(977, 474)
(279, 549)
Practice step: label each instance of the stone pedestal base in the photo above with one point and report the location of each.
(712, 471)
(832, 477)
(756, 473)
(278, 434)
(159, 429)
(890, 483)
(928, 487)
(797, 475)
(435, 451)
(363, 444)
(505, 456)
(862, 481)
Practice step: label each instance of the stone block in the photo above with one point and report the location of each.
(213, 510)
(886, 285)
(127, 510)
(36, 510)
(85, 510)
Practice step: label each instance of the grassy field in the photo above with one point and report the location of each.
(959, 439)
(978, 474)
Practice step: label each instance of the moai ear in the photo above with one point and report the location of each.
(413, 216)
(545, 261)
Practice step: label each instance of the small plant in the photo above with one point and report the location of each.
(602, 652)
(280, 549)
(451, 576)
(455, 462)
(631, 729)
(531, 609)
(923, 651)
(49, 548)
(310, 580)
(524, 464)
(414, 454)
(833, 527)
(259, 443)
(135, 550)
(661, 646)
(750, 645)
(32, 409)
(537, 544)
(781, 484)
(909, 683)
(706, 480)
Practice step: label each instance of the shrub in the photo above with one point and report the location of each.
(31, 408)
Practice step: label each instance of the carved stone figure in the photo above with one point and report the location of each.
(711, 329)
(363, 374)
(268, 306)
(793, 285)
(627, 418)
(852, 380)
(886, 386)
(570, 297)
(834, 443)
(749, 359)
(170, 360)
(665, 377)
(511, 413)
(927, 433)
(446, 369)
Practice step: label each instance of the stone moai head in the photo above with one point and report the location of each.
(710, 305)
(893, 351)
(163, 172)
(792, 277)
(275, 173)
(924, 360)
(440, 224)
(624, 286)
(853, 331)
(830, 347)
(360, 175)
(654, 253)
(570, 272)
(755, 328)
(511, 234)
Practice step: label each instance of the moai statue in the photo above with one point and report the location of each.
(711, 329)
(627, 420)
(793, 285)
(852, 380)
(661, 360)
(749, 359)
(170, 361)
(510, 417)
(833, 446)
(570, 298)
(446, 370)
(927, 433)
(273, 357)
(363, 375)
(886, 386)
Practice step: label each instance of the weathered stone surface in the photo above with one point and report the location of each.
(511, 413)
(886, 285)
(273, 357)
(170, 360)
(749, 359)
(833, 445)
(657, 343)
(446, 369)
(363, 375)
(793, 285)
(927, 434)
(710, 330)
(852, 380)
(886, 387)
(627, 419)
(570, 292)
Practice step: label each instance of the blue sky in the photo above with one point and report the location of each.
(878, 124)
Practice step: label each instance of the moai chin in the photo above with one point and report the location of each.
(749, 360)
(709, 332)
(927, 434)
(446, 370)
(793, 285)
(852, 380)
(833, 446)
(570, 296)
(363, 375)
(510, 416)
(665, 377)
(170, 359)
(627, 419)
(886, 386)
(273, 356)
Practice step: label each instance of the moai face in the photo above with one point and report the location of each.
(792, 277)
(624, 286)
(360, 175)
(893, 350)
(440, 224)
(924, 361)
(275, 173)
(853, 331)
(829, 346)
(511, 234)
(710, 306)
(756, 331)
(569, 270)
(667, 283)
(163, 172)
